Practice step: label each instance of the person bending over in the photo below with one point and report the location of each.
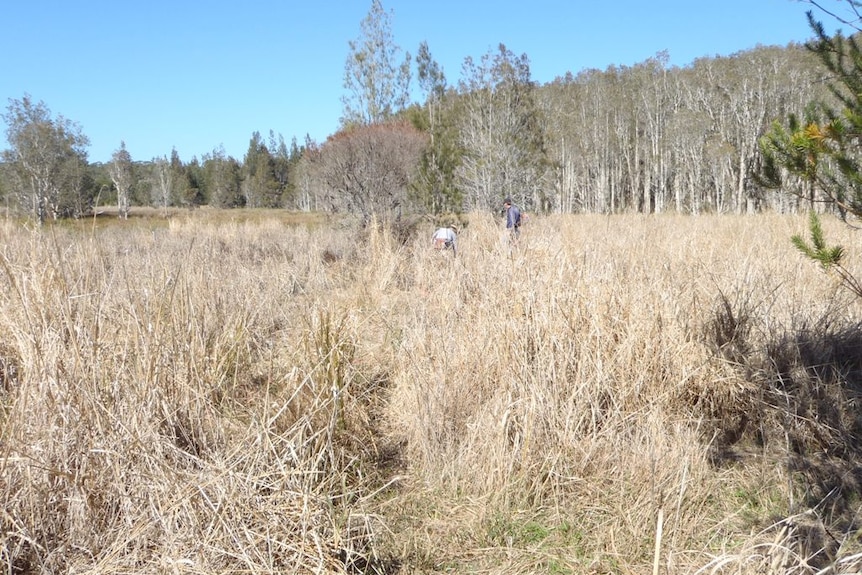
(446, 239)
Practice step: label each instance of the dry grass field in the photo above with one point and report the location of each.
(218, 393)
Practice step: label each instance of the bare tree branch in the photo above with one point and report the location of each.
(854, 7)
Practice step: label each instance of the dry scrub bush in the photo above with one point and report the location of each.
(214, 396)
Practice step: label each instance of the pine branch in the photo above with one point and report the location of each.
(817, 250)
(829, 258)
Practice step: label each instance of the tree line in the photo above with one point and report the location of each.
(645, 138)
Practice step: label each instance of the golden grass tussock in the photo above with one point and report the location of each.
(223, 392)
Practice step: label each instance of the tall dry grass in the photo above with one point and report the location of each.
(620, 394)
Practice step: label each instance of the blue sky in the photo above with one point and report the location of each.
(193, 76)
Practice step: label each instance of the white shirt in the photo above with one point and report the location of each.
(445, 234)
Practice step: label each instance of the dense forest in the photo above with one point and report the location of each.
(646, 138)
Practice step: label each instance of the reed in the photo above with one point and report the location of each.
(626, 394)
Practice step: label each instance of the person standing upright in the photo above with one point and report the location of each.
(513, 218)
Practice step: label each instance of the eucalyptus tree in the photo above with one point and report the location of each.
(47, 161)
(650, 109)
(554, 102)
(743, 87)
(574, 114)
(651, 137)
(709, 91)
(376, 77)
(592, 143)
(161, 182)
(120, 170)
(504, 149)
(4, 184)
(589, 128)
(643, 107)
(305, 186)
(310, 186)
(624, 114)
(626, 134)
(687, 136)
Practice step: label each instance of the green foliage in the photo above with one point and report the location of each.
(796, 148)
(196, 186)
(829, 258)
(432, 80)
(508, 532)
(48, 161)
(294, 185)
(760, 505)
(261, 185)
(184, 191)
(282, 163)
(222, 178)
(504, 531)
(434, 187)
(825, 148)
(377, 80)
(817, 250)
(4, 183)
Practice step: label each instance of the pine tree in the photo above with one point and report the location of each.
(823, 149)
(260, 185)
